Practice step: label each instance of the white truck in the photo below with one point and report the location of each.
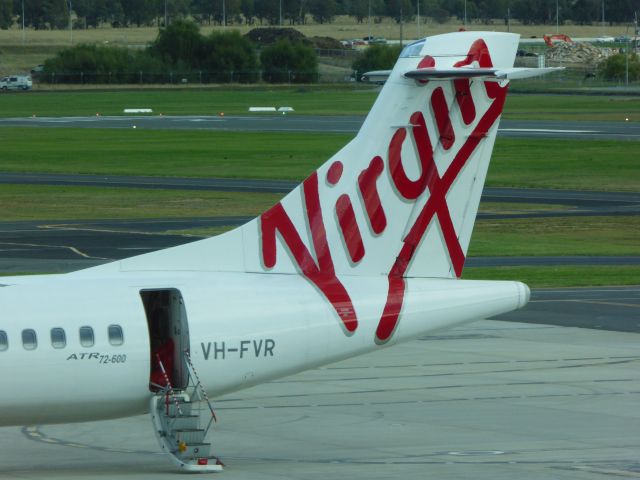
(16, 82)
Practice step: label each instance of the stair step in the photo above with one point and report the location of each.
(190, 436)
(185, 408)
(184, 422)
(194, 450)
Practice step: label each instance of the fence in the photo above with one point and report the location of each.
(194, 77)
(573, 77)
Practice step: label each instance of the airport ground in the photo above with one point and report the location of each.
(548, 392)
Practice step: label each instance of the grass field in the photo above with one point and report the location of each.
(335, 100)
(43, 202)
(318, 100)
(342, 28)
(557, 236)
(596, 165)
(560, 276)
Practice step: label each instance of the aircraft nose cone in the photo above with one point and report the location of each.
(524, 294)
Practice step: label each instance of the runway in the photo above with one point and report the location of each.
(484, 401)
(323, 123)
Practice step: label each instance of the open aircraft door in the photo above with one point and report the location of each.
(168, 336)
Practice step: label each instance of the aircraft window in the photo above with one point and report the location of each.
(58, 338)
(4, 341)
(86, 337)
(116, 337)
(29, 339)
(413, 49)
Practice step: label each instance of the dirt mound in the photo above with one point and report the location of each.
(583, 53)
(327, 43)
(267, 36)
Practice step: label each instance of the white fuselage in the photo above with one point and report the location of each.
(244, 329)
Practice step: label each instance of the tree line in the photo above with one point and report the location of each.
(54, 14)
(181, 53)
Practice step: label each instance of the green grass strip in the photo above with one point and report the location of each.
(38, 202)
(596, 165)
(344, 100)
(317, 100)
(572, 107)
(559, 276)
(565, 164)
(616, 235)
(166, 152)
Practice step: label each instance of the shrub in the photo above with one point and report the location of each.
(179, 42)
(93, 64)
(228, 56)
(615, 67)
(376, 57)
(180, 51)
(289, 62)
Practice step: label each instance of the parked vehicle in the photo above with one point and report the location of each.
(37, 71)
(16, 82)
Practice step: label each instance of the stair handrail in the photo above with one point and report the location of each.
(200, 388)
(168, 388)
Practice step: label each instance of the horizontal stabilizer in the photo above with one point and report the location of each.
(518, 73)
(466, 72)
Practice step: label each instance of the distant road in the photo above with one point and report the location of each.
(324, 123)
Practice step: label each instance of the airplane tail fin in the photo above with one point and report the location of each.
(401, 198)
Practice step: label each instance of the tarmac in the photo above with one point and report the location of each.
(620, 130)
(490, 400)
(555, 397)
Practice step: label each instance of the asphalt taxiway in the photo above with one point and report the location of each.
(621, 130)
(62, 246)
(484, 401)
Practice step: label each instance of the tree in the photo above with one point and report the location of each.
(491, 9)
(6, 14)
(615, 67)
(285, 61)
(247, 8)
(46, 14)
(294, 11)
(359, 9)
(583, 11)
(93, 12)
(229, 56)
(399, 10)
(322, 11)
(179, 42)
(230, 8)
(139, 12)
(435, 9)
(267, 10)
(98, 64)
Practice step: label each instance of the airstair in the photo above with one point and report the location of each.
(182, 420)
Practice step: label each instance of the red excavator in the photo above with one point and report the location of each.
(558, 37)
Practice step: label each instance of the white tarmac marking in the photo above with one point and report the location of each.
(73, 249)
(99, 230)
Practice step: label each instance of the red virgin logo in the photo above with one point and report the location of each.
(320, 271)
